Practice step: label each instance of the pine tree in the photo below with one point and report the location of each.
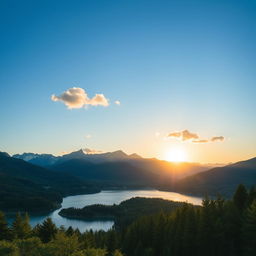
(112, 242)
(47, 230)
(26, 225)
(64, 245)
(249, 230)
(4, 230)
(240, 197)
(20, 227)
(252, 195)
(206, 229)
(70, 231)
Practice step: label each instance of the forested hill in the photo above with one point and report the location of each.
(220, 180)
(121, 173)
(26, 187)
(124, 213)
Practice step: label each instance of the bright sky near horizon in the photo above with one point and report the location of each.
(149, 76)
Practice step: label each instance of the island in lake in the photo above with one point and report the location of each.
(124, 213)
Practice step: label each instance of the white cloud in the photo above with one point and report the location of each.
(88, 136)
(98, 100)
(184, 135)
(193, 137)
(117, 102)
(77, 98)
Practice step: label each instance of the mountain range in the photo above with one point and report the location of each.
(105, 165)
(32, 181)
(48, 159)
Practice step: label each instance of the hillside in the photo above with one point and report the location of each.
(122, 173)
(24, 186)
(221, 180)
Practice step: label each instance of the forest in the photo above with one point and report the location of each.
(218, 227)
(124, 213)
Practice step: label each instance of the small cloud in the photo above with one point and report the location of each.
(98, 100)
(217, 138)
(117, 102)
(193, 137)
(184, 135)
(77, 98)
(88, 136)
(200, 141)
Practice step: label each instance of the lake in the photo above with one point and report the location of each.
(107, 197)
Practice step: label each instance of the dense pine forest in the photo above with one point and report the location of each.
(219, 227)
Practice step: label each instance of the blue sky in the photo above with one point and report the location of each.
(173, 65)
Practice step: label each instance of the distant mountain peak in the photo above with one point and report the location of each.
(78, 153)
(134, 155)
(4, 154)
(118, 153)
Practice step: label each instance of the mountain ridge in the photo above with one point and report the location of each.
(220, 180)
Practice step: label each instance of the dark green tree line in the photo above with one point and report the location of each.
(219, 227)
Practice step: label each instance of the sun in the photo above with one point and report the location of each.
(176, 155)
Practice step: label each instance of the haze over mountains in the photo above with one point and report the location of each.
(80, 161)
(39, 181)
(48, 159)
(119, 168)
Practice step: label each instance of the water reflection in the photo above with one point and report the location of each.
(109, 198)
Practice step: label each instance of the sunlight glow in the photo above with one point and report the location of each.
(176, 155)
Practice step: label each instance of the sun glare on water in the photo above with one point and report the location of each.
(176, 155)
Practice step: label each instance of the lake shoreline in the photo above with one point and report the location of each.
(106, 197)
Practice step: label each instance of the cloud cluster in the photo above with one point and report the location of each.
(184, 135)
(193, 137)
(77, 98)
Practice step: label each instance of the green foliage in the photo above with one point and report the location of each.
(65, 245)
(249, 230)
(215, 229)
(220, 227)
(117, 253)
(240, 197)
(90, 252)
(47, 230)
(29, 247)
(4, 230)
(8, 249)
(124, 213)
(21, 227)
